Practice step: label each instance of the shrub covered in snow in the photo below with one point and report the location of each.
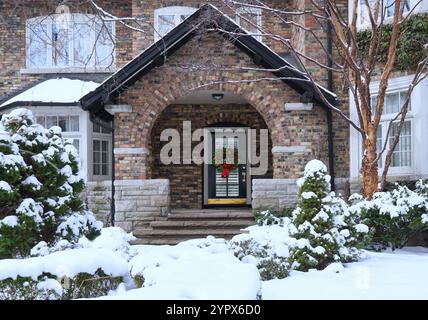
(39, 187)
(325, 230)
(269, 217)
(396, 215)
(75, 273)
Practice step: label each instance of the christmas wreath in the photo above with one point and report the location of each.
(226, 166)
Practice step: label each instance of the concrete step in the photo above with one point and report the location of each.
(201, 223)
(210, 214)
(178, 233)
(157, 241)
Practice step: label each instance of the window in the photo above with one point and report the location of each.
(100, 157)
(402, 155)
(388, 10)
(169, 17)
(101, 149)
(249, 19)
(77, 41)
(69, 124)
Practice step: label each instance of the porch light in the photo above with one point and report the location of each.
(218, 96)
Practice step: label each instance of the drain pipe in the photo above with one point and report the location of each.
(113, 175)
(328, 110)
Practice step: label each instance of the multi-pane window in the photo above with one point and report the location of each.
(402, 155)
(100, 157)
(249, 19)
(69, 124)
(101, 148)
(66, 123)
(77, 41)
(388, 9)
(168, 18)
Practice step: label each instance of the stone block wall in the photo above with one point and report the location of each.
(278, 194)
(274, 194)
(138, 202)
(97, 196)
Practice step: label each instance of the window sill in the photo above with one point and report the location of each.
(67, 70)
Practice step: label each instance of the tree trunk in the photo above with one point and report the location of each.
(369, 168)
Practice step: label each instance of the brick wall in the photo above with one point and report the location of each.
(202, 62)
(186, 180)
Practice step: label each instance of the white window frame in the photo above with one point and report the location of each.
(250, 10)
(422, 7)
(71, 65)
(42, 111)
(176, 11)
(101, 137)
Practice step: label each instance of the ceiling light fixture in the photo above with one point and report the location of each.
(217, 96)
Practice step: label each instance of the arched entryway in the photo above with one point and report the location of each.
(198, 185)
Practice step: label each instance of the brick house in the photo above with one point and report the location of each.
(115, 91)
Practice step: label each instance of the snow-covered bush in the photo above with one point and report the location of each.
(75, 273)
(270, 265)
(269, 217)
(396, 215)
(325, 230)
(39, 187)
(266, 247)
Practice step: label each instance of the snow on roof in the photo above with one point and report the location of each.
(61, 90)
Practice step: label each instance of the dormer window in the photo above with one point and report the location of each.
(74, 40)
(168, 18)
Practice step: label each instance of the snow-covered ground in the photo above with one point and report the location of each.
(208, 269)
(381, 275)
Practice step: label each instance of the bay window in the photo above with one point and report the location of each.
(78, 41)
(68, 123)
(388, 9)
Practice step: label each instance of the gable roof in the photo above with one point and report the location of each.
(154, 56)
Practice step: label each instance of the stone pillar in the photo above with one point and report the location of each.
(138, 202)
(275, 194)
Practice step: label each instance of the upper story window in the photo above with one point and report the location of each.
(168, 18)
(70, 40)
(249, 19)
(388, 10)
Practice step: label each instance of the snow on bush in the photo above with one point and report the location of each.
(396, 215)
(325, 230)
(198, 269)
(84, 272)
(266, 247)
(39, 187)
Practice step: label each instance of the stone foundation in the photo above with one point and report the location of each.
(277, 194)
(138, 202)
(97, 196)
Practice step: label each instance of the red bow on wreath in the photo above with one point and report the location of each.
(226, 170)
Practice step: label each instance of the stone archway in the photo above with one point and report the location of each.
(187, 181)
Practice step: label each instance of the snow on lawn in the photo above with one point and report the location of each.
(381, 275)
(55, 90)
(196, 269)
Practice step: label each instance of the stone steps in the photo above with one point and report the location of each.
(181, 225)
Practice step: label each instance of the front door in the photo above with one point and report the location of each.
(226, 178)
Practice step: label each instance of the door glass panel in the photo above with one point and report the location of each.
(227, 186)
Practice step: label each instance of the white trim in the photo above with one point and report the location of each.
(290, 149)
(175, 11)
(118, 108)
(131, 151)
(298, 106)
